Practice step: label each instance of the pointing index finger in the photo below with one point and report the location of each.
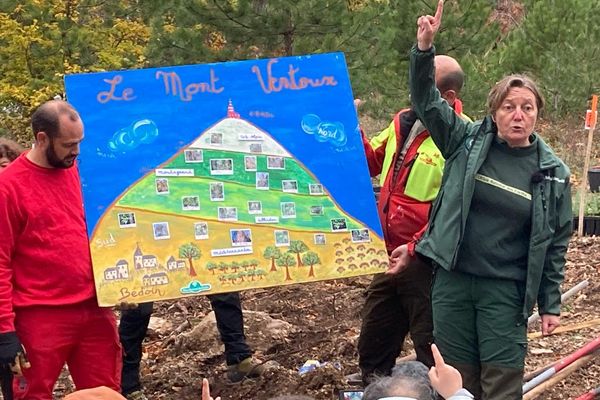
(437, 356)
(439, 11)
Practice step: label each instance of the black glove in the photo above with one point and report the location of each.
(10, 347)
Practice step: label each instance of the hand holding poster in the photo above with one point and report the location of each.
(221, 177)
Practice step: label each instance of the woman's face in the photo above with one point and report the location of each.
(516, 117)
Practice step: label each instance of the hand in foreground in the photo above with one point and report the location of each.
(21, 363)
(549, 323)
(445, 379)
(206, 391)
(399, 260)
(12, 353)
(428, 27)
(97, 393)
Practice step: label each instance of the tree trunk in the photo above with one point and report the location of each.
(192, 270)
(287, 274)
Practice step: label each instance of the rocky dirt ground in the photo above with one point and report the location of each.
(321, 321)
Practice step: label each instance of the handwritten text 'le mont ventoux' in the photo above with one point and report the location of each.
(172, 84)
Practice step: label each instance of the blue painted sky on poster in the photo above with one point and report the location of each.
(106, 174)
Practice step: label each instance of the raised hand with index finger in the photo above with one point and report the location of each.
(428, 26)
(445, 379)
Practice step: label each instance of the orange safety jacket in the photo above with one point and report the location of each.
(410, 168)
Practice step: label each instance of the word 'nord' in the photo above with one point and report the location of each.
(174, 87)
(278, 83)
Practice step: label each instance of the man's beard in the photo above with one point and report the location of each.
(56, 162)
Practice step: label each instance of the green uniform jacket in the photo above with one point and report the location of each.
(465, 146)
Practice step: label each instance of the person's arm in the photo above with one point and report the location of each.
(553, 273)
(446, 128)
(8, 222)
(375, 149)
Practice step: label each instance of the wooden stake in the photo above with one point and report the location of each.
(586, 166)
(538, 390)
(567, 328)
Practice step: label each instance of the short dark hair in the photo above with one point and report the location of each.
(453, 80)
(501, 89)
(10, 149)
(47, 117)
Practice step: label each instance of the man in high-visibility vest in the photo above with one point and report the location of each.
(410, 168)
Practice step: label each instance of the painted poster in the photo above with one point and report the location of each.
(212, 178)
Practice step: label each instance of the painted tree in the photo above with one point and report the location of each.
(272, 253)
(298, 247)
(234, 266)
(261, 273)
(211, 266)
(311, 258)
(191, 252)
(223, 267)
(286, 260)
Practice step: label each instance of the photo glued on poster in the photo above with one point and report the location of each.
(288, 209)
(360, 235)
(227, 214)
(162, 185)
(126, 220)
(221, 166)
(274, 162)
(240, 237)
(230, 251)
(200, 230)
(289, 186)
(190, 203)
(254, 207)
(193, 156)
(319, 239)
(262, 180)
(282, 238)
(161, 230)
(217, 191)
(339, 224)
(250, 163)
(315, 189)
(316, 210)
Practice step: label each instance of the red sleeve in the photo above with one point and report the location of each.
(8, 220)
(375, 156)
(416, 237)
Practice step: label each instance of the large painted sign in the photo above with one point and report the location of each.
(220, 177)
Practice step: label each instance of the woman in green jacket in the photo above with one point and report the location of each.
(499, 228)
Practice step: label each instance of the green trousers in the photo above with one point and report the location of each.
(479, 329)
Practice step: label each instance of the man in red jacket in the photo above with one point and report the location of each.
(410, 168)
(47, 296)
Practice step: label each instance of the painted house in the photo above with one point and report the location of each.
(110, 274)
(149, 261)
(137, 257)
(122, 269)
(159, 278)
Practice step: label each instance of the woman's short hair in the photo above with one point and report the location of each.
(501, 89)
(10, 149)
